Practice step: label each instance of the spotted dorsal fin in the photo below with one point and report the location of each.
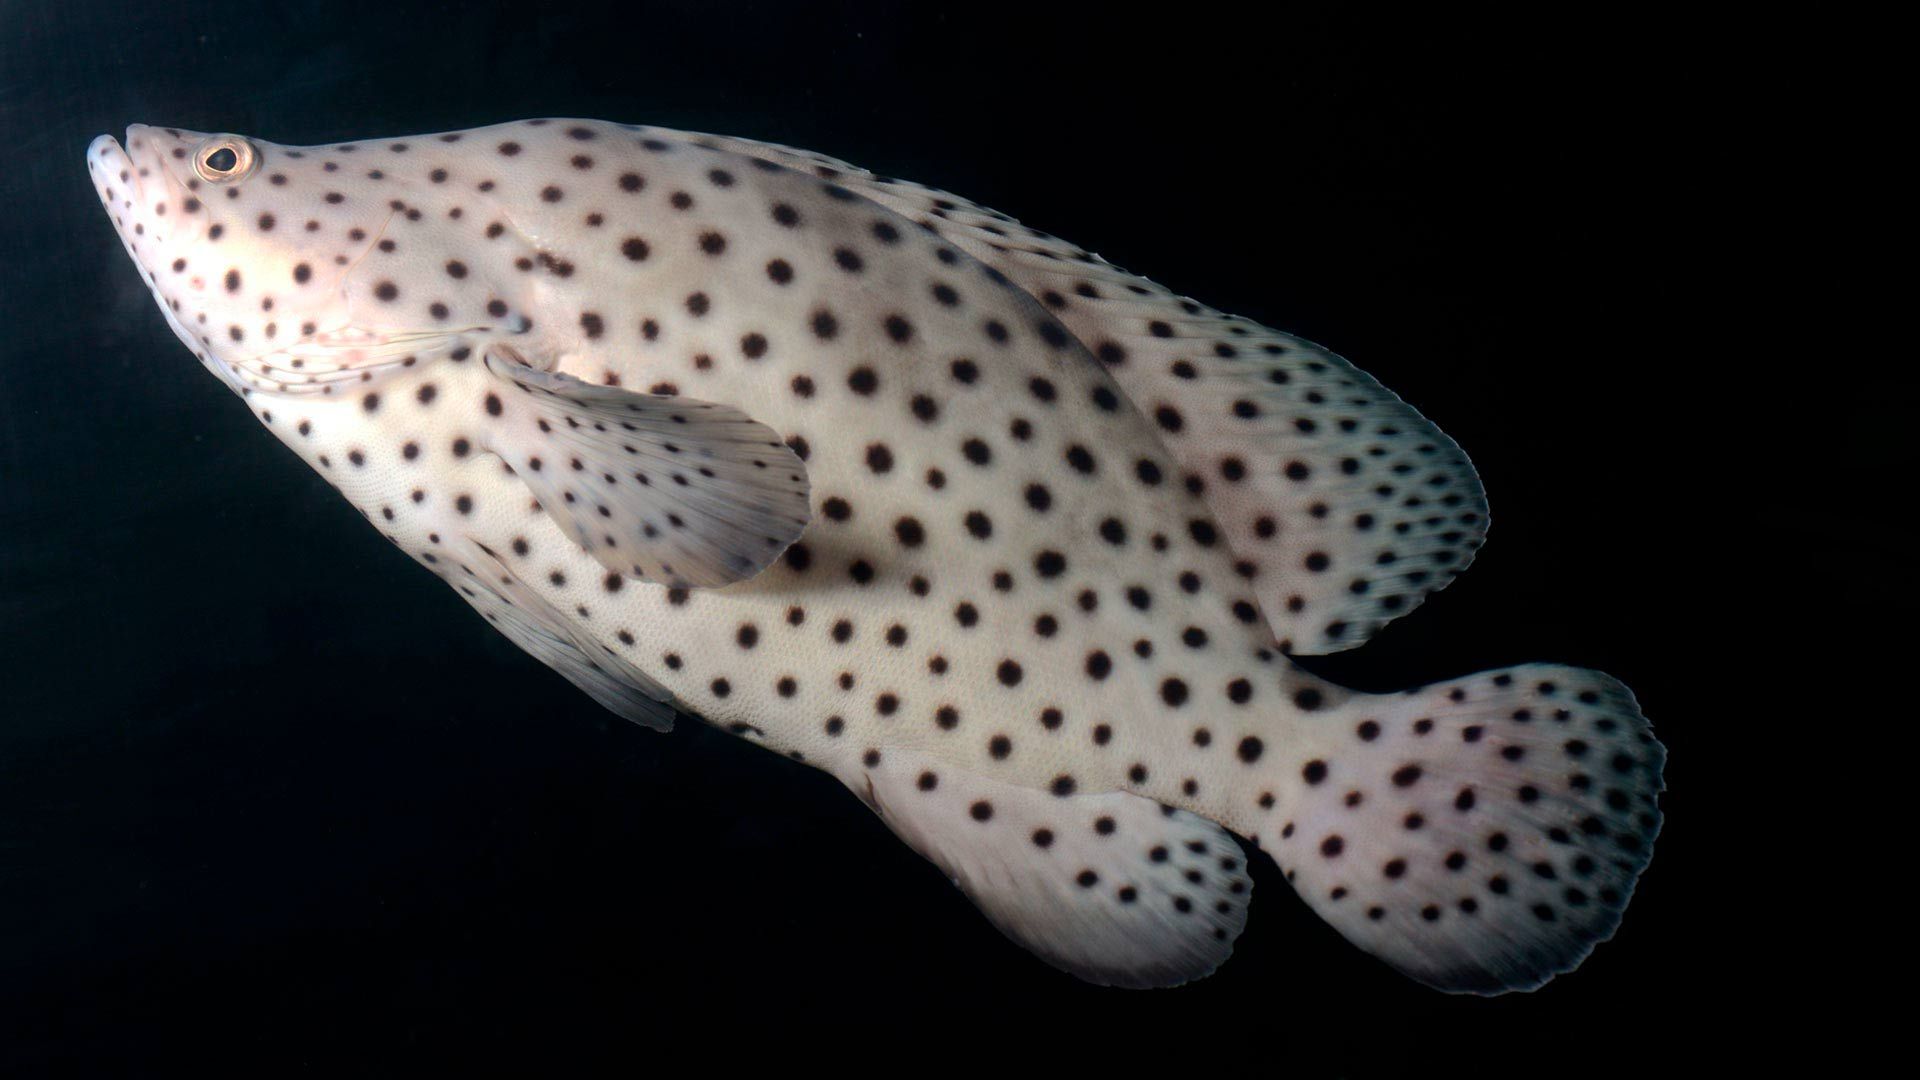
(666, 489)
(1343, 505)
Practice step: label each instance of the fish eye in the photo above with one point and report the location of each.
(223, 159)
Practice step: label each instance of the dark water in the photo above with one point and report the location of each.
(268, 791)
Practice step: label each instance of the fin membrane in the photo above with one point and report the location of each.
(1343, 505)
(666, 489)
(1480, 835)
(531, 623)
(1112, 888)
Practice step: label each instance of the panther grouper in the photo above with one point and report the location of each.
(1014, 543)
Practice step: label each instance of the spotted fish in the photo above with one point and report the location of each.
(1014, 543)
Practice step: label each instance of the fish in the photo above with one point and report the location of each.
(1016, 544)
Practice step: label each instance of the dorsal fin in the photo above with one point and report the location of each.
(1343, 504)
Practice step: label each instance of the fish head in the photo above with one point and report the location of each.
(273, 264)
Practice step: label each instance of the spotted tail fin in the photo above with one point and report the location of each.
(1480, 835)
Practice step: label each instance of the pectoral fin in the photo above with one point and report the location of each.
(666, 489)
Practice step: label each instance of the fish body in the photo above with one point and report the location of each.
(1014, 543)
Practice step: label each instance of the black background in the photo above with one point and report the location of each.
(268, 791)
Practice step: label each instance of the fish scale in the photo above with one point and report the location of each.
(822, 458)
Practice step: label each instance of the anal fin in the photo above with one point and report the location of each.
(1112, 888)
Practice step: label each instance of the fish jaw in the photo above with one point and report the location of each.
(143, 195)
(123, 183)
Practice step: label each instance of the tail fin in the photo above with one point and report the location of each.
(1480, 835)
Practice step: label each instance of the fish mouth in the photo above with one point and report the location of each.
(128, 196)
(115, 176)
(105, 150)
(131, 178)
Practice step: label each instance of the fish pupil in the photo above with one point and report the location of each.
(222, 160)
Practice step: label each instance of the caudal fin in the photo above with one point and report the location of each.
(1480, 835)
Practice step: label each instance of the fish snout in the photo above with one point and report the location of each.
(136, 168)
(162, 157)
(113, 172)
(105, 150)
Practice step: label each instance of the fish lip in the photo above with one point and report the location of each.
(114, 155)
(110, 157)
